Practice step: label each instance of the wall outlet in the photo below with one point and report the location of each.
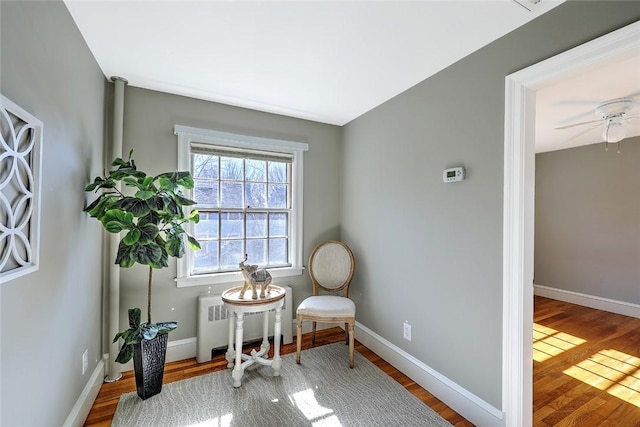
(85, 361)
(406, 333)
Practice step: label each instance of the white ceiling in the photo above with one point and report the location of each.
(574, 100)
(327, 61)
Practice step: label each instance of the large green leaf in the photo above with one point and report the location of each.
(186, 180)
(149, 331)
(184, 201)
(125, 354)
(100, 183)
(171, 206)
(148, 233)
(135, 314)
(124, 257)
(146, 183)
(132, 237)
(123, 334)
(120, 162)
(134, 205)
(150, 218)
(194, 245)
(175, 245)
(167, 182)
(194, 216)
(144, 194)
(122, 172)
(101, 205)
(166, 327)
(163, 262)
(148, 254)
(116, 220)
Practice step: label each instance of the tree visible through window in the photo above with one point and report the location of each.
(244, 202)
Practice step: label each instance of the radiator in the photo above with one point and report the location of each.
(213, 324)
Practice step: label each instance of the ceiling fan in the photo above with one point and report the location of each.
(613, 115)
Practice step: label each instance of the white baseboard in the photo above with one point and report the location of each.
(82, 407)
(613, 306)
(456, 397)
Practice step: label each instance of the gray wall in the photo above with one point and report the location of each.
(381, 192)
(428, 252)
(150, 118)
(588, 221)
(51, 316)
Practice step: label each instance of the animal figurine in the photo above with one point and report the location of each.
(254, 278)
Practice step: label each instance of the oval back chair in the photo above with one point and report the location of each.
(331, 268)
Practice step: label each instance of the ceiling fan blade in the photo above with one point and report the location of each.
(565, 143)
(577, 124)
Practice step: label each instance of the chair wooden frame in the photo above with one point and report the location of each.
(343, 289)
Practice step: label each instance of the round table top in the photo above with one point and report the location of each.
(232, 296)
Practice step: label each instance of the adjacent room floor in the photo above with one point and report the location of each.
(586, 368)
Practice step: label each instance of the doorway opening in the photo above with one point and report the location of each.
(518, 211)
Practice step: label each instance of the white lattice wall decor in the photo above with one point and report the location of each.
(20, 167)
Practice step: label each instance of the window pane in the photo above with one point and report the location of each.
(277, 195)
(256, 170)
(207, 257)
(207, 228)
(232, 226)
(278, 251)
(205, 166)
(231, 168)
(231, 254)
(278, 224)
(256, 195)
(256, 225)
(257, 251)
(277, 172)
(206, 192)
(231, 194)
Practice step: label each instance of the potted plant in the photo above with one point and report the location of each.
(151, 219)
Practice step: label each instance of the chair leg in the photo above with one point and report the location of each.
(351, 343)
(346, 333)
(313, 333)
(299, 341)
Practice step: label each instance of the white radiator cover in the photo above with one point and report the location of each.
(213, 324)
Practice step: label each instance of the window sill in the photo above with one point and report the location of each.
(232, 277)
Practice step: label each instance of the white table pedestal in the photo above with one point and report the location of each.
(237, 307)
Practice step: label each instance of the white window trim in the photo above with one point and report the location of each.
(187, 135)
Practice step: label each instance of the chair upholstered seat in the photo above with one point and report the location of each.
(327, 306)
(331, 267)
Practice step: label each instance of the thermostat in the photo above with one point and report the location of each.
(453, 174)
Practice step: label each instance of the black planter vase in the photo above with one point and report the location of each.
(148, 364)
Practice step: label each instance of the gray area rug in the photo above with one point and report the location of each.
(321, 391)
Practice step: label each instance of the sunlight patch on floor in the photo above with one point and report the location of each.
(223, 421)
(319, 416)
(548, 342)
(613, 371)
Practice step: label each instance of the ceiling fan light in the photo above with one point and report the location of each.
(614, 132)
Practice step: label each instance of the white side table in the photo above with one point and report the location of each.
(237, 308)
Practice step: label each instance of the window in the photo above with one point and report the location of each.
(249, 194)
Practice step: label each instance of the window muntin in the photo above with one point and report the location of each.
(245, 206)
(282, 243)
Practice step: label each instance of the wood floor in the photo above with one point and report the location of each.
(105, 404)
(586, 369)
